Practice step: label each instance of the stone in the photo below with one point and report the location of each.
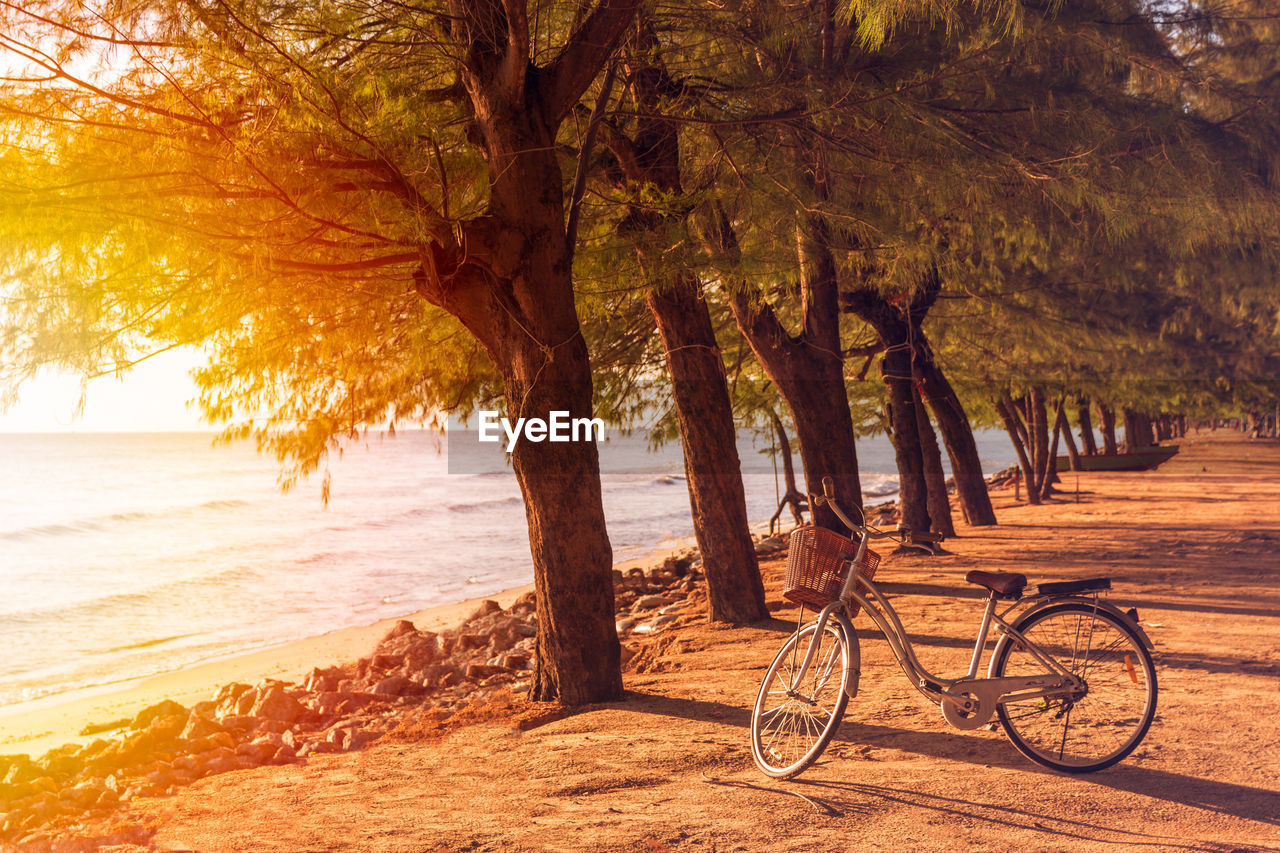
(627, 624)
(199, 726)
(653, 602)
(322, 680)
(361, 738)
(245, 702)
(402, 628)
(394, 685)
(481, 671)
(471, 641)
(276, 704)
(229, 693)
(167, 708)
(386, 661)
(238, 723)
(486, 608)
(259, 752)
(515, 660)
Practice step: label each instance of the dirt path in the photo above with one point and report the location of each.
(1194, 546)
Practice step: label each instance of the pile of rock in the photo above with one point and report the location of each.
(342, 708)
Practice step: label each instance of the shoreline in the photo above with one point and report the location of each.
(37, 725)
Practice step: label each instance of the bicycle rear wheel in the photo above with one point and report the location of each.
(1104, 725)
(794, 719)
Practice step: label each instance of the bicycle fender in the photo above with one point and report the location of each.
(855, 653)
(1110, 608)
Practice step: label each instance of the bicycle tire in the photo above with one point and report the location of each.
(1111, 719)
(790, 727)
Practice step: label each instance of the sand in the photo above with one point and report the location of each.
(37, 726)
(1195, 546)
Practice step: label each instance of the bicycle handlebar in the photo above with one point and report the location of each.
(828, 497)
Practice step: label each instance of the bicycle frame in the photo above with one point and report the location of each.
(969, 701)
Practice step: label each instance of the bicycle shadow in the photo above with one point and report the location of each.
(1223, 798)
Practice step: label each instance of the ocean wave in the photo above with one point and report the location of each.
(880, 490)
(485, 504)
(70, 613)
(116, 519)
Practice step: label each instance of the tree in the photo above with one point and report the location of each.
(253, 165)
(648, 163)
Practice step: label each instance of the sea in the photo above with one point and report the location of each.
(125, 555)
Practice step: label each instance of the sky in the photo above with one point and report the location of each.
(152, 397)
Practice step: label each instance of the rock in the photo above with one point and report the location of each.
(435, 674)
(628, 652)
(471, 641)
(481, 671)
(238, 723)
(361, 738)
(245, 702)
(396, 685)
(652, 602)
(272, 726)
(259, 752)
(199, 726)
(515, 660)
(677, 566)
(327, 702)
(485, 609)
(525, 604)
(627, 624)
(322, 680)
(167, 708)
(400, 629)
(386, 661)
(276, 704)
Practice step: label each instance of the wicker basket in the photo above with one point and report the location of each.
(816, 565)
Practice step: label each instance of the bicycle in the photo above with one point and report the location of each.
(1070, 678)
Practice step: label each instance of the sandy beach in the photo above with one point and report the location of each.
(40, 725)
(1194, 546)
(43, 724)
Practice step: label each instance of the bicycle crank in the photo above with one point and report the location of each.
(965, 711)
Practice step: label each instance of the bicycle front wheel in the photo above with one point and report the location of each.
(797, 713)
(1089, 732)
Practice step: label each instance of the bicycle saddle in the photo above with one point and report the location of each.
(1003, 584)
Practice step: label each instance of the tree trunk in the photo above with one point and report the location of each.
(1086, 427)
(934, 475)
(913, 491)
(1008, 411)
(711, 462)
(1064, 426)
(705, 413)
(578, 651)
(1051, 474)
(1108, 428)
(1137, 429)
(808, 371)
(953, 423)
(791, 496)
(907, 356)
(506, 276)
(1038, 428)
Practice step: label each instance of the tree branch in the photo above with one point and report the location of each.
(582, 57)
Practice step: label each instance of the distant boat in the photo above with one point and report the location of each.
(1136, 460)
